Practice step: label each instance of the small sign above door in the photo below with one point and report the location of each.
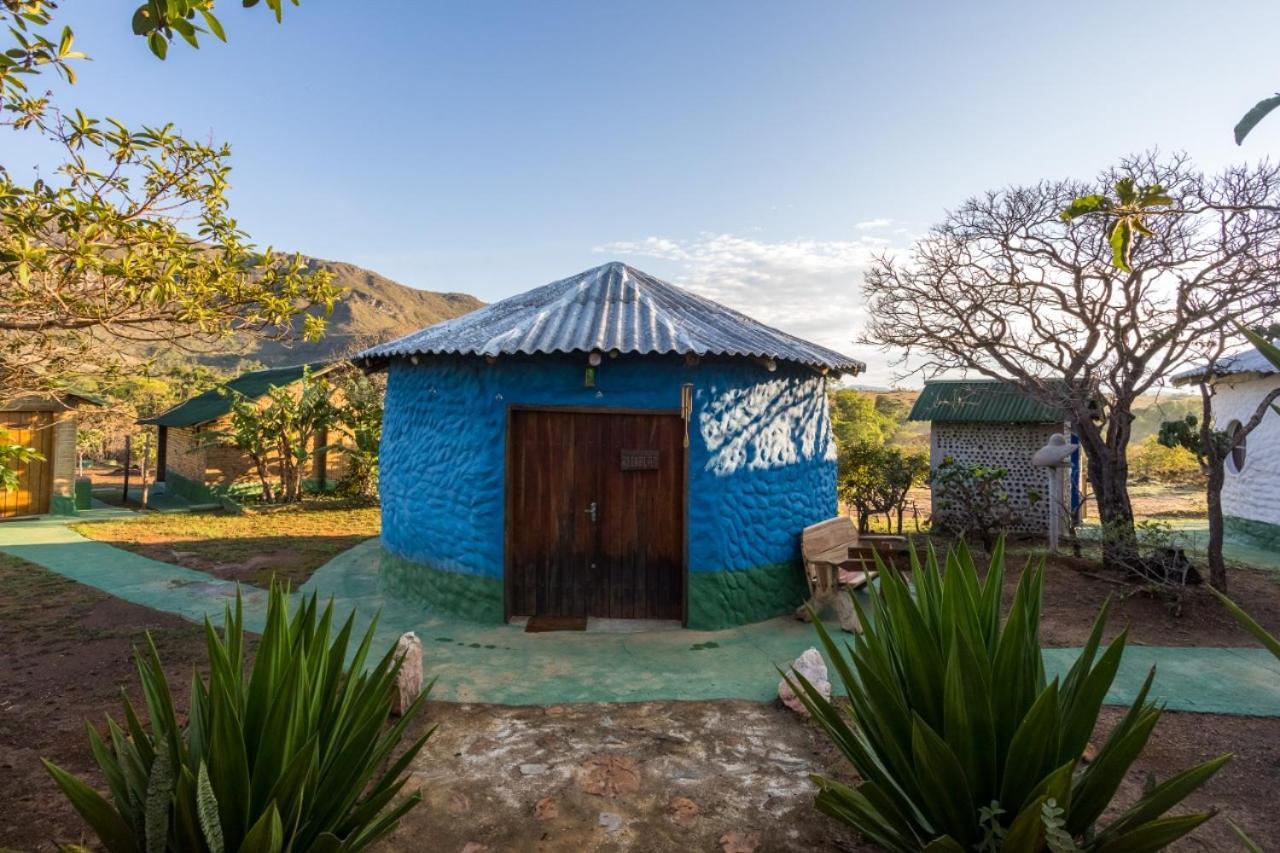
(639, 460)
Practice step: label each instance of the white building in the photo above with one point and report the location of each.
(1251, 492)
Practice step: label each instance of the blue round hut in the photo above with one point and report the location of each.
(607, 445)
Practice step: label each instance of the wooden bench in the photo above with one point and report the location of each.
(833, 569)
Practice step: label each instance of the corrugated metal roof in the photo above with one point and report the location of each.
(213, 404)
(980, 400)
(611, 307)
(1249, 361)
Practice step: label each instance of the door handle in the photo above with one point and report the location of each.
(591, 511)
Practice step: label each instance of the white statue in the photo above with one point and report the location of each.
(1053, 456)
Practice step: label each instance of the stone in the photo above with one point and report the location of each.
(814, 669)
(533, 769)
(546, 809)
(611, 822)
(683, 811)
(475, 847)
(734, 841)
(609, 775)
(409, 678)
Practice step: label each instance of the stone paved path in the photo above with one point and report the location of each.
(503, 665)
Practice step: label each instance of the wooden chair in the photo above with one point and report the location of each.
(831, 552)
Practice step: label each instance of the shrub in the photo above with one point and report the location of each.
(361, 418)
(875, 480)
(1152, 461)
(284, 758)
(960, 741)
(970, 500)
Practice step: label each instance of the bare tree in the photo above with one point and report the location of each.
(1004, 288)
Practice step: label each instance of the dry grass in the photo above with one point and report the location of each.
(288, 543)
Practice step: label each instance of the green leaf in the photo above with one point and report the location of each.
(1269, 641)
(1155, 835)
(111, 829)
(1121, 243)
(214, 25)
(1250, 120)
(1269, 351)
(1085, 204)
(1125, 192)
(1163, 797)
(1250, 845)
(943, 783)
(266, 836)
(142, 23)
(159, 46)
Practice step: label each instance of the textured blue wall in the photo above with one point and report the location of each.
(761, 457)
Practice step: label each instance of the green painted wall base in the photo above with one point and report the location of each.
(724, 599)
(469, 596)
(62, 505)
(717, 600)
(196, 493)
(1260, 533)
(84, 493)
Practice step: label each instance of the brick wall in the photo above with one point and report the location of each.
(185, 453)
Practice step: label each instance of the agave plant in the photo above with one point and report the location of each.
(962, 743)
(287, 757)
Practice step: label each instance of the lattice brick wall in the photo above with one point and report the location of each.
(1006, 446)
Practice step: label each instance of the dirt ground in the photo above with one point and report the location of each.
(1074, 590)
(726, 776)
(288, 543)
(65, 652)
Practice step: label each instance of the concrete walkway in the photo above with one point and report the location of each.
(504, 665)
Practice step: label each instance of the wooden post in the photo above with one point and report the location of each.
(142, 466)
(128, 460)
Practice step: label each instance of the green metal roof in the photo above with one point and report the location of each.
(980, 401)
(213, 404)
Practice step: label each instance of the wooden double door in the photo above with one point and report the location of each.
(595, 514)
(35, 476)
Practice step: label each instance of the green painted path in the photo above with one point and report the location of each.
(505, 665)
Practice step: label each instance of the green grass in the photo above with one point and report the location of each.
(288, 543)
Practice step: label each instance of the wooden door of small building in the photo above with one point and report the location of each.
(35, 484)
(595, 514)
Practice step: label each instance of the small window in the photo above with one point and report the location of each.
(1235, 463)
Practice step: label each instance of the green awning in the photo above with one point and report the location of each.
(213, 404)
(980, 401)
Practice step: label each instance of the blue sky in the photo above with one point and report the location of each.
(757, 152)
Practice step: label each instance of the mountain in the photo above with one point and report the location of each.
(372, 309)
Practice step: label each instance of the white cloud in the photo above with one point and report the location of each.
(873, 223)
(807, 287)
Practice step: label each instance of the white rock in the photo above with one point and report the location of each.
(814, 669)
(533, 769)
(409, 679)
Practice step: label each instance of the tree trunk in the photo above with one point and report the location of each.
(1108, 470)
(264, 476)
(1213, 495)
